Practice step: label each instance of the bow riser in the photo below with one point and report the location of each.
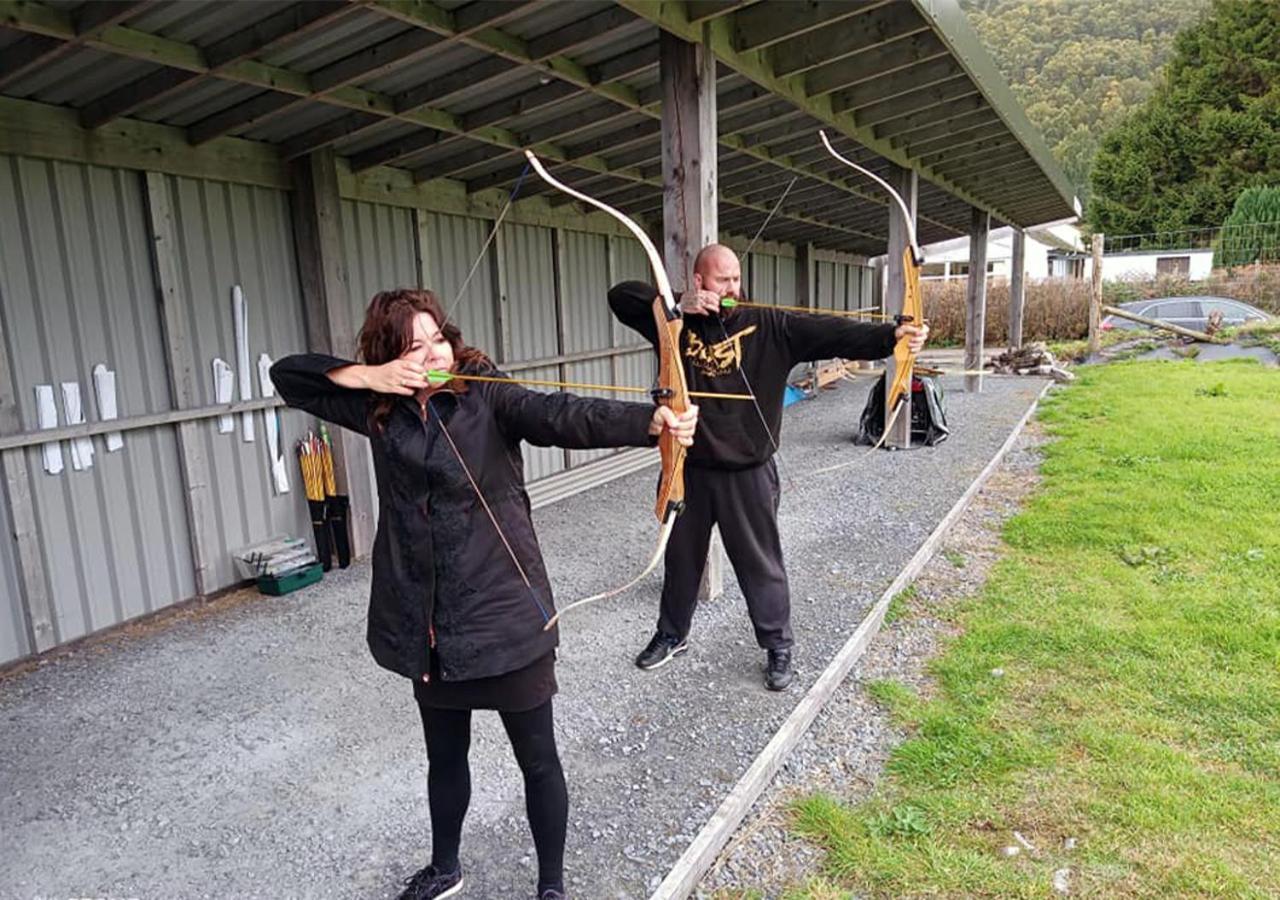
(670, 372)
(911, 312)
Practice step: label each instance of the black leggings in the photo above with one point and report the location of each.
(546, 800)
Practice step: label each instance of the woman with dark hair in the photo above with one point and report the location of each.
(460, 597)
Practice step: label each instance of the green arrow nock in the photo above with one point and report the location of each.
(436, 376)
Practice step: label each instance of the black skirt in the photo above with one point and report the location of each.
(517, 691)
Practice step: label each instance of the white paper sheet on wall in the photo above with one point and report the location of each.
(279, 471)
(104, 386)
(46, 418)
(223, 378)
(242, 357)
(73, 411)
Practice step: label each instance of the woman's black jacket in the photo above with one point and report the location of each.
(443, 581)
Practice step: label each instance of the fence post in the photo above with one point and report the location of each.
(1095, 297)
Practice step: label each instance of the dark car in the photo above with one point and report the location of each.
(1189, 312)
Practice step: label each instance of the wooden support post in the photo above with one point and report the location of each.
(317, 229)
(39, 616)
(180, 361)
(976, 298)
(806, 293)
(1095, 297)
(689, 213)
(1017, 287)
(904, 181)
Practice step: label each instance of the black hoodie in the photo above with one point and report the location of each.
(756, 342)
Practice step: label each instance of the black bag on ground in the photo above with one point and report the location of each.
(336, 510)
(928, 413)
(320, 528)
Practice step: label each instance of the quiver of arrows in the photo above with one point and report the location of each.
(328, 508)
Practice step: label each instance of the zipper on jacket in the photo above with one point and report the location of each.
(431, 627)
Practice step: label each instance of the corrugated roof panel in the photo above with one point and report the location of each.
(78, 77)
(204, 22)
(443, 59)
(554, 16)
(297, 119)
(618, 42)
(522, 80)
(336, 40)
(376, 135)
(198, 100)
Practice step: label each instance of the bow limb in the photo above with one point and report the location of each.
(672, 390)
(912, 308)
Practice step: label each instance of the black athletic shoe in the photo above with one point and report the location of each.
(551, 894)
(432, 884)
(777, 670)
(660, 651)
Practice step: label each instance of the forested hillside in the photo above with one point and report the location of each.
(1080, 66)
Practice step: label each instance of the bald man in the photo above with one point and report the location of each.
(730, 475)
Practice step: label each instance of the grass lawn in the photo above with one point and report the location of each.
(1116, 682)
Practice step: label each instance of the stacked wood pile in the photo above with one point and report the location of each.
(1029, 359)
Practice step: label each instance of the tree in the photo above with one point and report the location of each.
(1252, 232)
(1210, 131)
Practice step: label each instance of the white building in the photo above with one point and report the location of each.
(950, 259)
(1194, 264)
(1059, 251)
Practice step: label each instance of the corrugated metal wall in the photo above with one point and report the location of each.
(76, 289)
(584, 287)
(380, 248)
(236, 234)
(528, 285)
(627, 262)
(770, 279)
(844, 286)
(381, 254)
(449, 245)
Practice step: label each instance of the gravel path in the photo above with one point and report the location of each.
(251, 748)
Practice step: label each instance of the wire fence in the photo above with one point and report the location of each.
(1233, 245)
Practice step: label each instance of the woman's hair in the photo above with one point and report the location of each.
(387, 334)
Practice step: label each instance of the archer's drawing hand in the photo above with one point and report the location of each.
(699, 303)
(918, 335)
(400, 376)
(681, 425)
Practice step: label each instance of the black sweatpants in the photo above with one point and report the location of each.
(744, 503)
(448, 734)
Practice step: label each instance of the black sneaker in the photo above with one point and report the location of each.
(777, 670)
(432, 884)
(551, 894)
(660, 651)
